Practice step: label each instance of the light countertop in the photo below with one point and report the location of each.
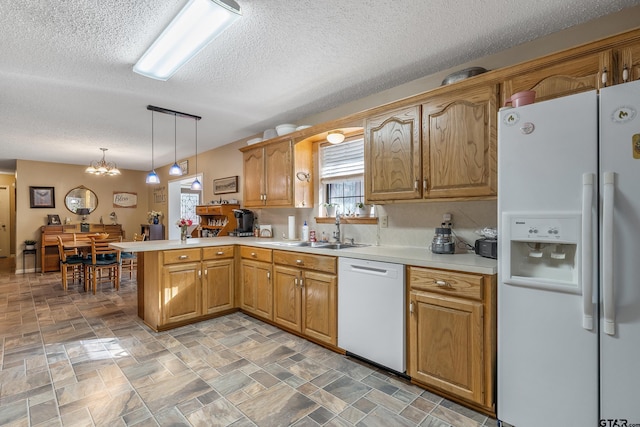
(418, 256)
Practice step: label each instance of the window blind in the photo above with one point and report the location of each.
(342, 162)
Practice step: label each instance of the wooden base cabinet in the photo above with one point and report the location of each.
(305, 295)
(218, 283)
(256, 294)
(180, 292)
(452, 334)
(187, 285)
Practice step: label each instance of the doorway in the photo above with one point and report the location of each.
(5, 222)
(182, 204)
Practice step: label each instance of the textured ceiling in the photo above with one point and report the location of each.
(67, 86)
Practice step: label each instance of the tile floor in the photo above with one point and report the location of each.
(77, 359)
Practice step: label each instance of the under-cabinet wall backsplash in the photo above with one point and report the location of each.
(409, 224)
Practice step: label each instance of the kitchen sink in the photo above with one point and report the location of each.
(290, 244)
(340, 245)
(319, 245)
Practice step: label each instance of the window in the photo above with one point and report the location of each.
(342, 174)
(188, 202)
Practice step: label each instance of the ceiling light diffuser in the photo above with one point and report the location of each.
(197, 24)
(335, 137)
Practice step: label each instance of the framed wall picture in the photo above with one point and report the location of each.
(225, 185)
(53, 220)
(125, 199)
(184, 166)
(42, 197)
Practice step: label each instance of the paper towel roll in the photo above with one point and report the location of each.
(292, 228)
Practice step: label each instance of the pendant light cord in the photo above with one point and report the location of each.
(175, 139)
(152, 166)
(196, 148)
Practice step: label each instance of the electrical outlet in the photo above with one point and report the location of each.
(384, 221)
(446, 217)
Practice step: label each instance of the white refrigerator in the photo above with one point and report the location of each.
(569, 261)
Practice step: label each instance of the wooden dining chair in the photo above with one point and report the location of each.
(103, 262)
(70, 262)
(130, 259)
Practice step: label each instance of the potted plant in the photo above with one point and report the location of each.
(29, 244)
(330, 209)
(361, 209)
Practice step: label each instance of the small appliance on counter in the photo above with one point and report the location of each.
(487, 246)
(443, 242)
(245, 223)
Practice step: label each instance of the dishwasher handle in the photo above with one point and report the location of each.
(364, 269)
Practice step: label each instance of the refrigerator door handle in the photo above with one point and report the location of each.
(607, 254)
(588, 180)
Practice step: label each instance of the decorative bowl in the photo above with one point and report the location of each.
(254, 141)
(269, 133)
(284, 129)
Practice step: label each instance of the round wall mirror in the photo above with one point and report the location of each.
(81, 197)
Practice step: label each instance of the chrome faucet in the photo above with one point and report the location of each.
(336, 234)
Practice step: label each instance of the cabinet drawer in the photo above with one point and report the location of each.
(445, 282)
(258, 254)
(301, 260)
(208, 210)
(217, 252)
(181, 255)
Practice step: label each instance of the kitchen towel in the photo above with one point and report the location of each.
(292, 228)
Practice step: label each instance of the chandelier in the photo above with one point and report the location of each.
(102, 167)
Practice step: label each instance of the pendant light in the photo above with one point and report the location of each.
(195, 185)
(152, 178)
(175, 170)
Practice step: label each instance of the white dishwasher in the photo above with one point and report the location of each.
(371, 311)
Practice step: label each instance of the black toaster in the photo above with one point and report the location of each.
(487, 248)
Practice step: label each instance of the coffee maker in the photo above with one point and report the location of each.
(245, 222)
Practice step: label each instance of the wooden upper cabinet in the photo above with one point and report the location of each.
(253, 177)
(279, 173)
(629, 57)
(555, 77)
(459, 134)
(392, 155)
(269, 175)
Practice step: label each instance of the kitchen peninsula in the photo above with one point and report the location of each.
(154, 255)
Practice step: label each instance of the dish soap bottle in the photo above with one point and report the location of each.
(305, 232)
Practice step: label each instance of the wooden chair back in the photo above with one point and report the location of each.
(139, 237)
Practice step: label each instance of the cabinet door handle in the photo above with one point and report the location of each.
(295, 282)
(199, 274)
(183, 257)
(442, 283)
(424, 184)
(301, 282)
(625, 74)
(269, 276)
(415, 185)
(220, 253)
(604, 77)
(411, 308)
(206, 273)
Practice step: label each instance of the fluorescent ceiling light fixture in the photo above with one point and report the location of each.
(335, 137)
(197, 24)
